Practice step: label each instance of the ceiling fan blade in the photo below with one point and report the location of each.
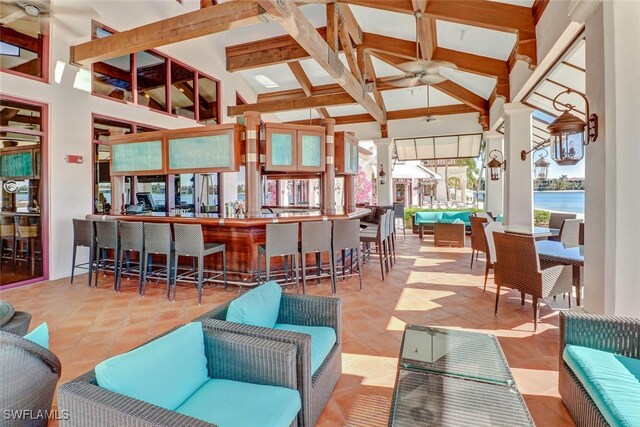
(390, 79)
(13, 16)
(431, 79)
(412, 67)
(74, 9)
(406, 82)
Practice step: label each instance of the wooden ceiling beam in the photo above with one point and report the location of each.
(350, 54)
(21, 40)
(293, 21)
(351, 23)
(305, 84)
(425, 28)
(475, 64)
(372, 73)
(292, 104)
(198, 23)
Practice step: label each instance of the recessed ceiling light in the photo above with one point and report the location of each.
(266, 81)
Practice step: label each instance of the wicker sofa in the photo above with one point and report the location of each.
(304, 310)
(430, 218)
(234, 360)
(593, 348)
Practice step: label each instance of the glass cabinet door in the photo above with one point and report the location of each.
(281, 149)
(311, 151)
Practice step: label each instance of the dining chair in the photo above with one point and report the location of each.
(570, 231)
(556, 219)
(489, 229)
(486, 215)
(517, 266)
(478, 238)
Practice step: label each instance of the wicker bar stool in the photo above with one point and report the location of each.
(189, 242)
(107, 238)
(478, 238)
(26, 234)
(379, 238)
(398, 211)
(346, 236)
(316, 238)
(7, 241)
(84, 235)
(131, 240)
(281, 240)
(157, 241)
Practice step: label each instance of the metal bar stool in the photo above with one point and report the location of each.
(189, 242)
(281, 240)
(8, 236)
(131, 240)
(316, 238)
(26, 234)
(346, 236)
(157, 241)
(107, 238)
(378, 237)
(398, 211)
(391, 237)
(84, 235)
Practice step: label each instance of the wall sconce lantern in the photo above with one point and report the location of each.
(382, 175)
(541, 166)
(568, 132)
(496, 166)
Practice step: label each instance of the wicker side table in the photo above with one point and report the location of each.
(448, 234)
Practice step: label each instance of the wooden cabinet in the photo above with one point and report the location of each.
(290, 148)
(346, 157)
(139, 154)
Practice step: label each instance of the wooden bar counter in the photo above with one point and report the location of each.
(240, 235)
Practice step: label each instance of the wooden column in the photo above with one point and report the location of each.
(253, 196)
(328, 202)
(350, 193)
(117, 195)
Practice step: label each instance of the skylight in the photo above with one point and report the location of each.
(266, 81)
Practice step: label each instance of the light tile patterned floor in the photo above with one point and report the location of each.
(428, 285)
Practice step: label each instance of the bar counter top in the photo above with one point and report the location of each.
(234, 220)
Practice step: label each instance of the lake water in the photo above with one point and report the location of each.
(563, 201)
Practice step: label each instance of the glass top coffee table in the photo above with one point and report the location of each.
(454, 378)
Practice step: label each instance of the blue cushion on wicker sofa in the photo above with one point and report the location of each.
(40, 335)
(149, 372)
(464, 216)
(612, 381)
(227, 403)
(323, 339)
(258, 307)
(428, 217)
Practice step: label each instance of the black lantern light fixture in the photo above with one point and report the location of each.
(541, 166)
(567, 132)
(382, 175)
(496, 166)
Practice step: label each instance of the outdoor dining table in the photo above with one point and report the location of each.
(563, 254)
(527, 230)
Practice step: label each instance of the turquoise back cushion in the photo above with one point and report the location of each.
(258, 307)
(612, 381)
(499, 218)
(164, 372)
(428, 217)
(464, 216)
(40, 335)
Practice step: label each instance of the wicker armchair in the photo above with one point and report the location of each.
(297, 310)
(611, 334)
(478, 239)
(19, 323)
(28, 377)
(229, 356)
(517, 266)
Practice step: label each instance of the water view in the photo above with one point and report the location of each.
(563, 201)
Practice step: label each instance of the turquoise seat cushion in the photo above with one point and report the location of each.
(6, 312)
(164, 372)
(499, 218)
(40, 335)
(227, 403)
(323, 339)
(464, 216)
(258, 307)
(612, 381)
(427, 217)
(451, 221)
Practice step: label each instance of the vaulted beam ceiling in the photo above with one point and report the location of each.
(290, 104)
(305, 84)
(198, 23)
(293, 21)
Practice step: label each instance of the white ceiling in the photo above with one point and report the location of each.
(398, 25)
(481, 85)
(475, 40)
(416, 97)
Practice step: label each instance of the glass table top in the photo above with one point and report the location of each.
(424, 399)
(470, 355)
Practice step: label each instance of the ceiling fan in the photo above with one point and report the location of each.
(13, 10)
(429, 118)
(419, 71)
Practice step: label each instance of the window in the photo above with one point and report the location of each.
(23, 44)
(182, 91)
(151, 70)
(208, 91)
(112, 77)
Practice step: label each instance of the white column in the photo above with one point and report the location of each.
(493, 191)
(384, 156)
(612, 174)
(518, 182)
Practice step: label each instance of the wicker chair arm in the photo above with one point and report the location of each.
(250, 359)
(84, 404)
(612, 334)
(47, 357)
(307, 310)
(219, 312)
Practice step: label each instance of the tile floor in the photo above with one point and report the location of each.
(428, 285)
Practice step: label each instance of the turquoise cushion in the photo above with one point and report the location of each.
(258, 307)
(323, 339)
(612, 381)
(227, 403)
(464, 216)
(6, 312)
(164, 372)
(40, 335)
(499, 218)
(450, 221)
(427, 217)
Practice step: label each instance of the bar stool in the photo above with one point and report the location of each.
(131, 240)
(8, 236)
(26, 234)
(157, 241)
(84, 235)
(316, 238)
(379, 238)
(190, 242)
(107, 238)
(281, 240)
(391, 237)
(346, 236)
(398, 211)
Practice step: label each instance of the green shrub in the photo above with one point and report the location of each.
(541, 218)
